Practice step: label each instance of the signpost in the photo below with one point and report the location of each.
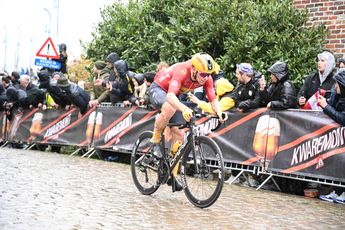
(48, 63)
(44, 51)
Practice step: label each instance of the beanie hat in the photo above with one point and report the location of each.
(245, 68)
(11, 94)
(100, 65)
(15, 75)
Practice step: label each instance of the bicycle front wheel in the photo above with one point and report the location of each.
(144, 166)
(202, 173)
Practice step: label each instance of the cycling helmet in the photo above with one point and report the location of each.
(203, 63)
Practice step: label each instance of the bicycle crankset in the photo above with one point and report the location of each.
(162, 172)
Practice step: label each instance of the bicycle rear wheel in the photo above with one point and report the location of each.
(202, 175)
(144, 166)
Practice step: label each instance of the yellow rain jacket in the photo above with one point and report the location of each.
(223, 88)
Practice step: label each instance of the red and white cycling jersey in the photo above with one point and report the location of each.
(177, 79)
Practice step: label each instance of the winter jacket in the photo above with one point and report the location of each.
(123, 86)
(34, 96)
(78, 97)
(101, 94)
(282, 94)
(223, 91)
(3, 97)
(58, 95)
(246, 96)
(312, 84)
(336, 108)
(16, 96)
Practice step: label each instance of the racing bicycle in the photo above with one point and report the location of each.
(202, 166)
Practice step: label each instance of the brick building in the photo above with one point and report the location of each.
(332, 14)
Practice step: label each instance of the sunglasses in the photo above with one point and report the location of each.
(204, 75)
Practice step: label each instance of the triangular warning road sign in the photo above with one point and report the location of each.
(46, 48)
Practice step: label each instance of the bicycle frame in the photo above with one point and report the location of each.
(190, 139)
(194, 157)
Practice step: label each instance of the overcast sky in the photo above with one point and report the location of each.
(24, 27)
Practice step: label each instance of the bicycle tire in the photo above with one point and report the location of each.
(144, 176)
(208, 181)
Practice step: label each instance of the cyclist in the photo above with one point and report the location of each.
(179, 78)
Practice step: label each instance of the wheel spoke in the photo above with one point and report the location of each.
(143, 167)
(203, 185)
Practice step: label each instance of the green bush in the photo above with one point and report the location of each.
(255, 31)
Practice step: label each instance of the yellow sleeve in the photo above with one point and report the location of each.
(226, 103)
(49, 100)
(207, 107)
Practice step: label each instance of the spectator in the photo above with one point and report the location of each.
(5, 84)
(335, 109)
(110, 60)
(141, 83)
(322, 79)
(3, 97)
(77, 95)
(35, 96)
(223, 91)
(63, 57)
(99, 94)
(335, 106)
(15, 79)
(143, 96)
(35, 81)
(246, 94)
(3, 74)
(60, 98)
(15, 99)
(122, 88)
(342, 63)
(137, 81)
(162, 66)
(281, 93)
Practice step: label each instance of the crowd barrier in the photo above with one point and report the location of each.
(291, 143)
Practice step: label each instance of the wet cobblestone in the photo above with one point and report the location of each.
(40, 190)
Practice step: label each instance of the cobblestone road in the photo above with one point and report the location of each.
(40, 190)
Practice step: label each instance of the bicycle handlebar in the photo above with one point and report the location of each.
(200, 115)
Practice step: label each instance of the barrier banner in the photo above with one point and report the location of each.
(310, 144)
(3, 124)
(240, 140)
(69, 129)
(17, 132)
(118, 128)
(306, 143)
(52, 126)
